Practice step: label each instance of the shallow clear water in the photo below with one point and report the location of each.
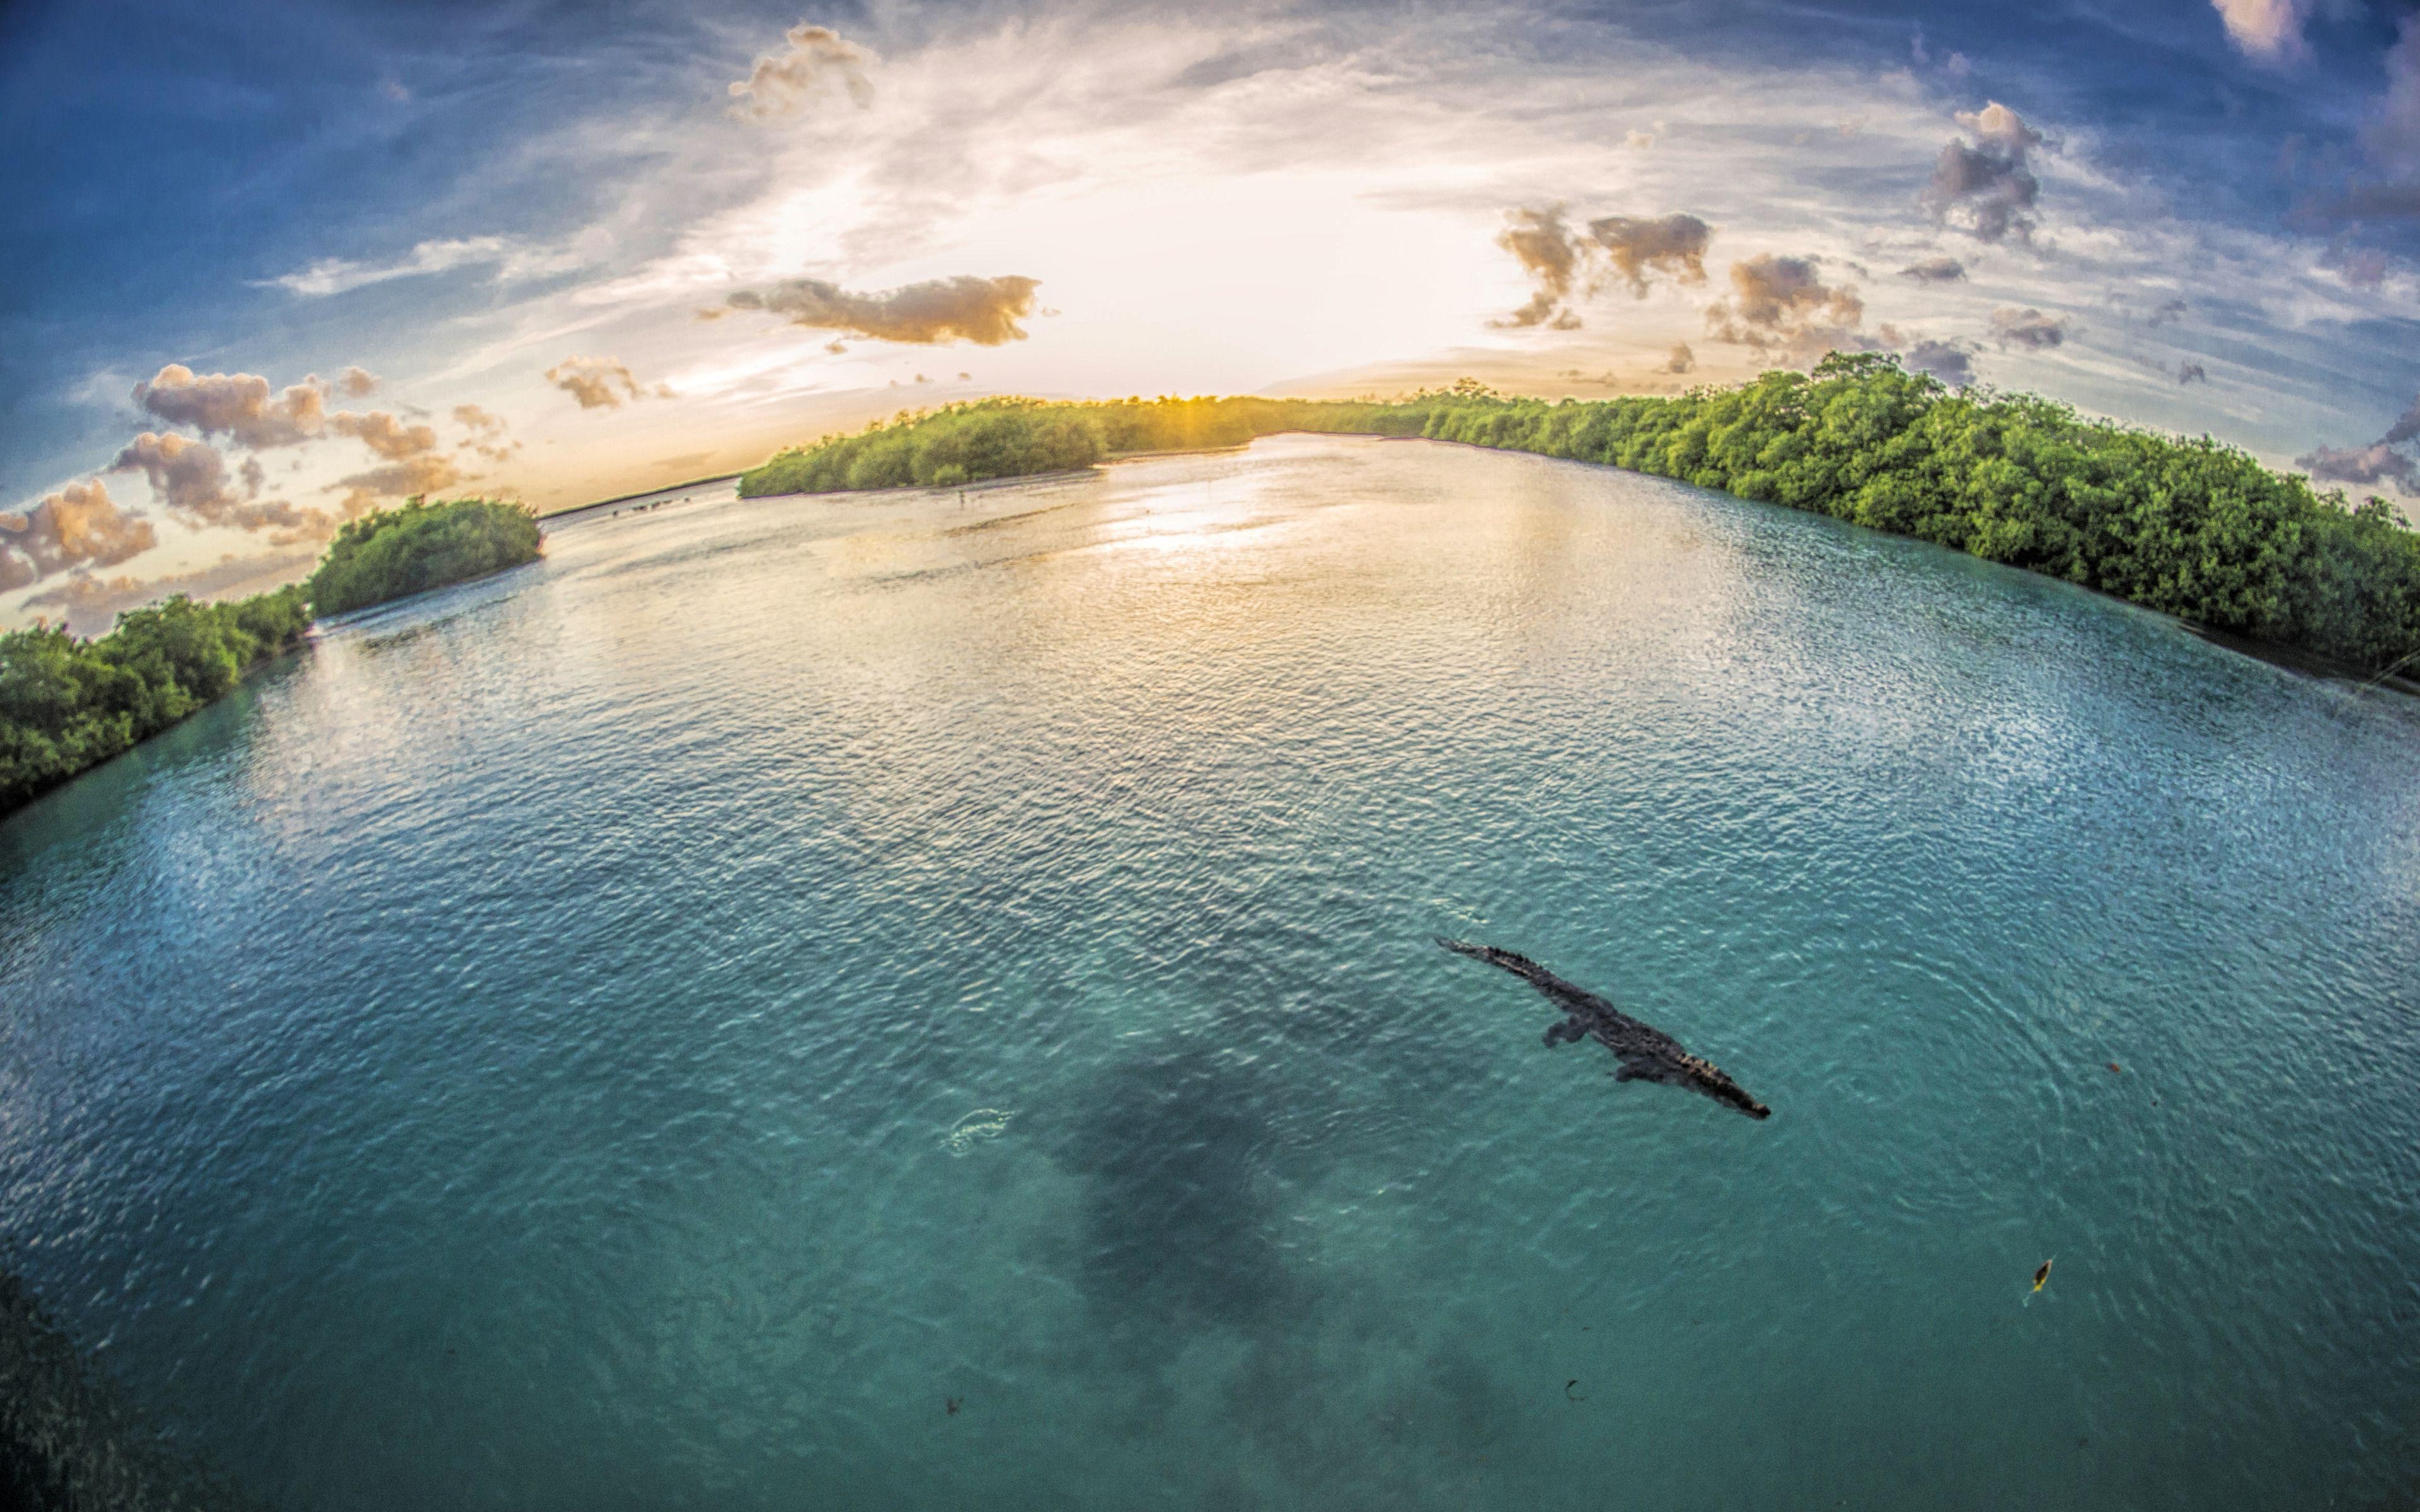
(527, 1053)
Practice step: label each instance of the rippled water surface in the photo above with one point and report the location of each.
(906, 1001)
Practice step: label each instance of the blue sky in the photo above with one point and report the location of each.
(516, 218)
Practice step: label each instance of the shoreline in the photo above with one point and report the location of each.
(644, 493)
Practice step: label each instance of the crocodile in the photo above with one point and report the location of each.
(1647, 1054)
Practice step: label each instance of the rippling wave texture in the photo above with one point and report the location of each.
(509, 1057)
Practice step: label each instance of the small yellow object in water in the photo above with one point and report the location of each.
(2042, 1275)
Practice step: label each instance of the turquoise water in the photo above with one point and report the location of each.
(661, 1028)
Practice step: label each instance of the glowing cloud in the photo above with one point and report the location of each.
(1539, 243)
(236, 404)
(1783, 302)
(983, 311)
(2268, 30)
(596, 382)
(78, 526)
(1562, 265)
(1671, 245)
(425, 473)
(818, 59)
(383, 434)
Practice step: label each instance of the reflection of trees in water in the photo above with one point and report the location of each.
(68, 1440)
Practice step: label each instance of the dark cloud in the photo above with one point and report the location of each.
(2367, 202)
(239, 405)
(190, 477)
(2191, 373)
(1985, 188)
(596, 382)
(1949, 360)
(1681, 361)
(1540, 243)
(79, 526)
(2377, 462)
(2359, 267)
(1783, 302)
(2406, 426)
(2366, 466)
(1935, 270)
(1671, 245)
(981, 309)
(2028, 328)
(2168, 312)
(2391, 136)
(818, 61)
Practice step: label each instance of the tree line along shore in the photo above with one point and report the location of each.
(68, 704)
(2183, 525)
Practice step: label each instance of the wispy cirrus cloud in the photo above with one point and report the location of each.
(510, 259)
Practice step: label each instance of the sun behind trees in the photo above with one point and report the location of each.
(2188, 526)
(1016, 438)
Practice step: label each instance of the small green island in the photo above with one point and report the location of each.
(2183, 525)
(68, 704)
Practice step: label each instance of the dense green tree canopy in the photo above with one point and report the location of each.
(2187, 525)
(66, 705)
(389, 553)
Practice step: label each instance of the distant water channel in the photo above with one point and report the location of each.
(912, 1001)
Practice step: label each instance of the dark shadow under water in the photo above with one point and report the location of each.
(70, 1441)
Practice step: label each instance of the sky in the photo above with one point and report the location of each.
(271, 264)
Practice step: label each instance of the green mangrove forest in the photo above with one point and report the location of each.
(2184, 525)
(393, 553)
(66, 705)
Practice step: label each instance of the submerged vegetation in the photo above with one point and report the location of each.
(2186, 526)
(391, 553)
(66, 705)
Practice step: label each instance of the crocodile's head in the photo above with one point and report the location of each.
(1708, 1078)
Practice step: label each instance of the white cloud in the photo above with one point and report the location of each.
(511, 260)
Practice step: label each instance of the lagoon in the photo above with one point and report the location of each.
(927, 1000)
